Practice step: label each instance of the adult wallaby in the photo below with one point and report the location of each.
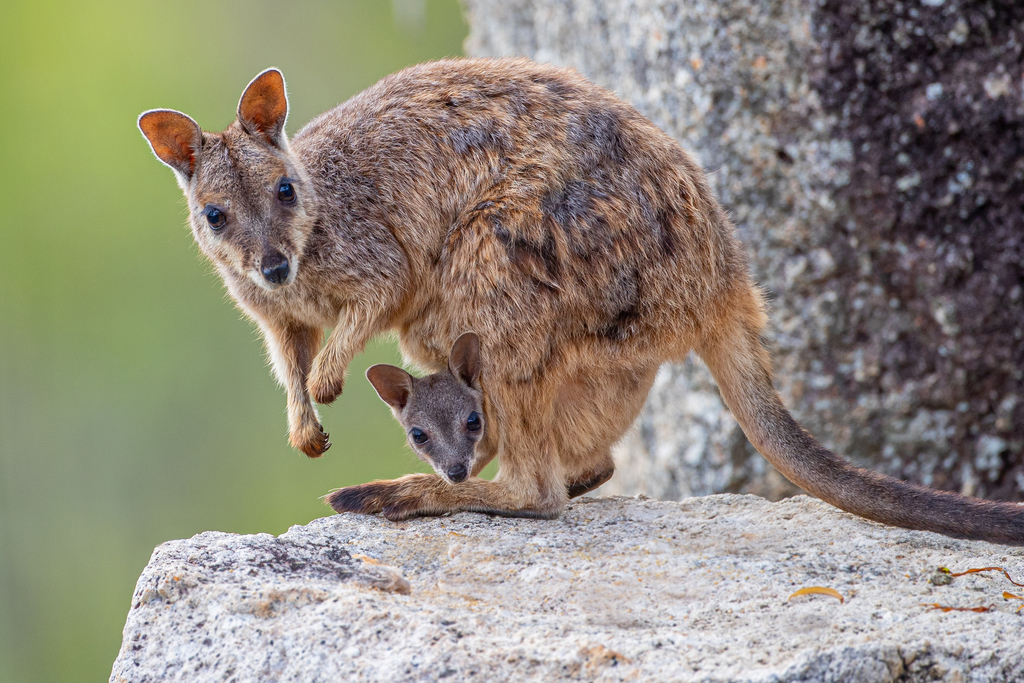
(519, 200)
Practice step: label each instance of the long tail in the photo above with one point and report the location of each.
(742, 368)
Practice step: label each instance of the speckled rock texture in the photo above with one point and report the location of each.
(616, 589)
(872, 156)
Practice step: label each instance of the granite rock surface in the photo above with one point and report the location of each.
(871, 155)
(616, 589)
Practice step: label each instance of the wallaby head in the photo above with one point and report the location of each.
(443, 413)
(250, 202)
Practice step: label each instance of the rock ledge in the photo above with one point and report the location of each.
(615, 589)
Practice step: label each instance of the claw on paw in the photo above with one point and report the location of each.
(314, 445)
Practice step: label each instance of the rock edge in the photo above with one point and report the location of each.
(616, 589)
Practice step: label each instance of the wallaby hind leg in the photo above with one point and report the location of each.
(427, 495)
(591, 417)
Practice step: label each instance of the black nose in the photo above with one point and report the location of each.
(275, 268)
(458, 473)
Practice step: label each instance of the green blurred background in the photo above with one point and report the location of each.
(135, 403)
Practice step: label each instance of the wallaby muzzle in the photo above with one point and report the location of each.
(275, 268)
(458, 473)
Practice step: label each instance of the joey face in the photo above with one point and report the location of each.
(443, 422)
(251, 204)
(442, 413)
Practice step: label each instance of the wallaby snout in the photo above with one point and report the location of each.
(275, 268)
(458, 473)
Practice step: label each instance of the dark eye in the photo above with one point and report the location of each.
(473, 422)
(286, 193)
(418, 436)
(216, 218)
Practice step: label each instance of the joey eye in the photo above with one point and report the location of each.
(286, 193)
(473, 422)
(215, 217)
(418, 436)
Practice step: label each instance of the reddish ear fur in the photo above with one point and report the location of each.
(464, 360)
(393, 384)
(174, 138)
(263, 109)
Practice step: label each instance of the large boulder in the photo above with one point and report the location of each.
(872, 156)
(616, 589)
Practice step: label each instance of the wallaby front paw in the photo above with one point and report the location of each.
(311, 439)
(323, 390)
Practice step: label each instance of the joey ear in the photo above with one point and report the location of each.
(263, 109)
(174, 138)
(393, 385)
(464, 360)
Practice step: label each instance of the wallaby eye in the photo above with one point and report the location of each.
(286, 193)
(418, 436)
(215, 217)
(473, 422)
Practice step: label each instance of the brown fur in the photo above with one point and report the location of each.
(524, 202)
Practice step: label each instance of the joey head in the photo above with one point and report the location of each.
(442, 413)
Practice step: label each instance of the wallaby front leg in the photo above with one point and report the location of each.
(356, 326)
(292, 348)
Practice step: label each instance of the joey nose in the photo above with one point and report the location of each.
(458, 473)
(275, 268)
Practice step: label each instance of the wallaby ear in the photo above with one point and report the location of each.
(464, 360)
(174, 138)
(393, 385)
(263, 109)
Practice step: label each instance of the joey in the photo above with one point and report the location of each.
(442, 413)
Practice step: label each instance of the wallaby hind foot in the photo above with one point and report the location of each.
(424, 495)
